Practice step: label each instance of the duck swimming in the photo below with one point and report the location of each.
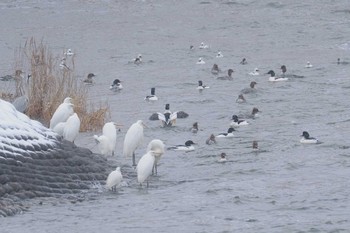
(255, 72)
(306, 139)
(89, 80)
(215, 69)
(243, 62)
(308, 65)
(273, 77)
(153, 96)
(229, 133)
(219, 54)
(251, 88)
(228, 77)
(240, 99)
(194, 128)
(237, 122)
(211, 140)
(187, 147)
(222, 158)
(116, 85)
(203, 46)
(201, 86)
(200, 61)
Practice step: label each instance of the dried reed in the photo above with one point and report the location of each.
(49, 85)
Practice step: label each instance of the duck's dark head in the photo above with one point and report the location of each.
(306, 135)
(230, 130)
(229, 72)
(252, 84)
(234, 117)
(189, 143)
(91, 75)
(284, 69)
(272, 73)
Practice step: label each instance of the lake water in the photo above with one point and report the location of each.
(284, 187)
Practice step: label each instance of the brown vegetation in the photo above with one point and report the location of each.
(49, 85)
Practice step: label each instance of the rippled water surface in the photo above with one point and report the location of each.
(284, 187)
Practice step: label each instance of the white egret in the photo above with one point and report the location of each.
(133, 139)
(59, 128)
(103, 144)
(107, 141)
(157, 146)
(71, 128)
(114, 179)
(62, 113)
(145, 166)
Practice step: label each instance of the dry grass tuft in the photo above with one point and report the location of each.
(49, 85)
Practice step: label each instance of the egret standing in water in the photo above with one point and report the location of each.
(157, 146)
(62, 113)
(114, 179)
(107, 141)
(133, 139)
(145, 166)
(71, 128)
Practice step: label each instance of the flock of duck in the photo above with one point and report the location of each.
(147, 164)
(67, 123)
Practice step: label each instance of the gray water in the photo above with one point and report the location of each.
(285, 187)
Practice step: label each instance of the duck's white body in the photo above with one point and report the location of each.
(276, 79)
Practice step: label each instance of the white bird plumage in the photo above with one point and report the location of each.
(168, 118)
(62, 113)
(145, 166)
(255, 72)
(133, 139)
(308, 65)
(71, 128)
(158, 148)
(200, 61)
(114, 179)
(69, 52)
(59, 128)
(107, 141)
